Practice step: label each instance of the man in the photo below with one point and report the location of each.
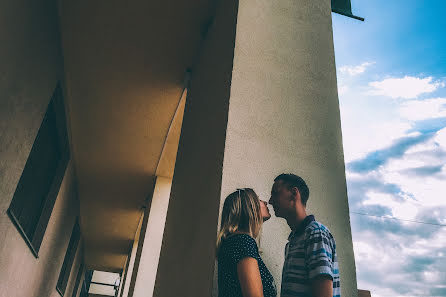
(311, 266)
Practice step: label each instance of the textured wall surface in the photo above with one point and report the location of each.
(31, 67)
(284, 117)
(188, 251)
(21, 273)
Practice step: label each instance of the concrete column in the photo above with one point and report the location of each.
(152, 239)
(284, 117)
(123, 277)
(131, 262)
(187, 255)
(274, 110)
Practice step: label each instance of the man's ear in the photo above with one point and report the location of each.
(296, 194)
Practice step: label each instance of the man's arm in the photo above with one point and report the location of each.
(322, 286)
(319, 258)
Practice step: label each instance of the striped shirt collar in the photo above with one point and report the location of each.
(300, 230)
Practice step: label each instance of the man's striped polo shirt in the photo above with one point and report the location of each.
(310, 251)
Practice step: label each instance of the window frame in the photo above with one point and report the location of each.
(18, 202)
(68, 261)
(86, 283)
(80, 273)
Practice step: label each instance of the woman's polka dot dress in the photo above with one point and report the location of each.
(232, 250)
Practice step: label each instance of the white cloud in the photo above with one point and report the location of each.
(360, 139)
(382, 251)
(399, 249)
(405, 257)
(355, 70)
(427, 189)
(422, 148)
(440, 138)
(380, 255)
(416, 110)
(431, 276)
(407, 209)
(342, 89)
(406, 87)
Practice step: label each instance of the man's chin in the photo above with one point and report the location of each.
(277, 214)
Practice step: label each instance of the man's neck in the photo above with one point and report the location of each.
(295, 221)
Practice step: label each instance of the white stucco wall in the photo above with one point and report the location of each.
(30, 69)
(284, 118)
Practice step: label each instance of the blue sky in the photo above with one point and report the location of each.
(392, 93)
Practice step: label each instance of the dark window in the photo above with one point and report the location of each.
(80, 272)
(86, 283)
(64, 274)
(39, 184)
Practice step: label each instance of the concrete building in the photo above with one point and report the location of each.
(364, 293)
(123, 125)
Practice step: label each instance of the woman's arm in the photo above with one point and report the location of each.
(249, 277)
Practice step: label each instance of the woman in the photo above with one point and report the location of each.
(241, 271)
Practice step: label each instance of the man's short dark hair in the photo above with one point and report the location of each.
(292, 180)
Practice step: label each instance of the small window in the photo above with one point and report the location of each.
(44, 170)
(86, 283)
(64, 274)
(104, 283)
(80, 272)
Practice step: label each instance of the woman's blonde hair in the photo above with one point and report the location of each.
(241, 214)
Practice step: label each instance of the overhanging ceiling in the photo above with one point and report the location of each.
(125, 63)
